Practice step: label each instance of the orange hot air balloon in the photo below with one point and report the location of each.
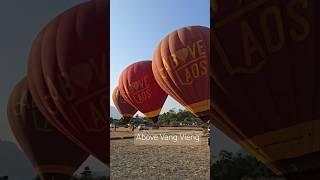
(52, 155)
(265, 70)
(180, 66)
(139, 88)
(68, 75)
(127, 110)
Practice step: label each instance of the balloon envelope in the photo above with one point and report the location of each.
(126, 109)
(139, 88)
(180, 66)
(265, 80)
(52, 155)
(68, 75)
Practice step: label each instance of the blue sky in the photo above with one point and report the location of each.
(137, 26)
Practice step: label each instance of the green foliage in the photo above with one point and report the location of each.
(86, 174)
(111, 120)
(175, 118)
(137, 120)
(121, 121)
(236, 166)
(171, 118)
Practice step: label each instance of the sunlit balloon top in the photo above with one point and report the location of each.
(181, 67)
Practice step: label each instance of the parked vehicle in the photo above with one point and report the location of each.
(142, 127)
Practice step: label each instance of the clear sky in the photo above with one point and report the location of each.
(137, 26)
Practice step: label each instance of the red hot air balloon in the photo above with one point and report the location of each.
(68, 75)
(266, 81)
(139, 88)
(180, 66)
(53, 156)
(127, 110)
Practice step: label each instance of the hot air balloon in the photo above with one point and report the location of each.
(127, 110)
(139, 88)
(68, 75)
(52, 155)
(180, 66)
(265, 69)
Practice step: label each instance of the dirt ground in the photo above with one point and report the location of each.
(130, 161)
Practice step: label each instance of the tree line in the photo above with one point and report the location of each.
(86, 174)
(240, 166)
(171, 118)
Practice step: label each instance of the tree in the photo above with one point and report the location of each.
(174, 118)
(137, 120)
(102, 178)
(122, 121)
(184, 114)
(237, 166)
(38, 178)
(111, 120)
(4, 178)
(225, 155)
(86, 174)
(172, 115)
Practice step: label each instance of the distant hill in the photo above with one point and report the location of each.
(14, 163)
(114, 113)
